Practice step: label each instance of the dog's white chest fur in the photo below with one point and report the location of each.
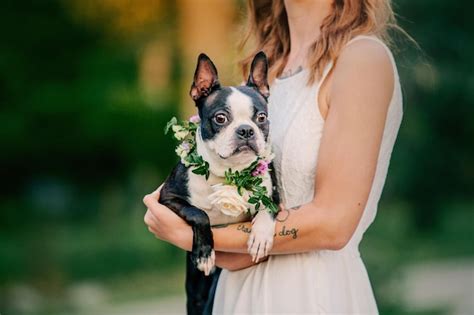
(199, 190)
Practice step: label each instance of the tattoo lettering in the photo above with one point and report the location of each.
(288, 232)
(293, 232)
(243, 228)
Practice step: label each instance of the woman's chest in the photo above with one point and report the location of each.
(296, 128)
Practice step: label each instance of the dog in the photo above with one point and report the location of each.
(233, 132)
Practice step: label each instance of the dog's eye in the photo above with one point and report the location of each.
(261, 117)
(220, 119)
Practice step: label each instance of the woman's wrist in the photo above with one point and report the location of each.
(183, 238)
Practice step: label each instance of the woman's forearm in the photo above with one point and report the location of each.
(302, 229)
(310, 227)
(234, 261)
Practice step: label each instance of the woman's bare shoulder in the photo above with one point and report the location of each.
(370, 51)
(364, 66)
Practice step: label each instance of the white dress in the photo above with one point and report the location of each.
(322, 281)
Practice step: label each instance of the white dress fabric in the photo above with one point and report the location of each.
(322, 281)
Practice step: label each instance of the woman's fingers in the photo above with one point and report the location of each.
(155, 209)
(161, 213)
(153, 197)
(154, 232)
(152, 222)
(149, 218)
(156, 193)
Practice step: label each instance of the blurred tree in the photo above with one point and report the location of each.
(207, 27)
(123, 19)
(433, 168)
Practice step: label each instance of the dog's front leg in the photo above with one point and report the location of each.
(261, 238)
(202, 253)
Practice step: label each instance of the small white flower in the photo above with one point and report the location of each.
(185, 162)
(226, 199)
(268, 155)
(179, 132)
(177, 128)
(182, 151)
(180, 135)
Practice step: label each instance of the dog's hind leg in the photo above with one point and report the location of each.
(200, 289)
(212, 292)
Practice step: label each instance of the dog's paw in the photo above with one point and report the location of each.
(207, 264)
(261, 238)
(205, 260)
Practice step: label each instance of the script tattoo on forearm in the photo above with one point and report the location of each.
(288, 232)
(293, 232)
(244, 228)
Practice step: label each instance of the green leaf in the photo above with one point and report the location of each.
(253, 200)
(198, 171)
(273, 208)
(266, 200)
(170, 124)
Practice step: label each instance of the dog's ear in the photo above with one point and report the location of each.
(205, 78)
(258, 76)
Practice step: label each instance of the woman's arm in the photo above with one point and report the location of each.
(359, 95)
(235, 261)
(166, 225)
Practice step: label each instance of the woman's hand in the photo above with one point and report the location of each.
(165, 224)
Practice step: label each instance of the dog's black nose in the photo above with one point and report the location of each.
(245, 132)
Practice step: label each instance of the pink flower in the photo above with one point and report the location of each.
(194, 119)
(186, 146)
(262, 168)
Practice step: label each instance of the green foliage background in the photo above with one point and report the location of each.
(80, 145)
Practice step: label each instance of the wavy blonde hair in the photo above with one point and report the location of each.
(267, 26)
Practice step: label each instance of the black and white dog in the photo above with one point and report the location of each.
(234, 130)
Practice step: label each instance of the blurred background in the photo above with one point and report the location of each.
(86, 88)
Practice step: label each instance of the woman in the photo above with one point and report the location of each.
(335, 111)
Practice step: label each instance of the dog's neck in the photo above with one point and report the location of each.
(217, 165)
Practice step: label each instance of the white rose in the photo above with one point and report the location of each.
(226, 199)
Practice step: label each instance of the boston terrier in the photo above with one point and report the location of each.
(233, 132)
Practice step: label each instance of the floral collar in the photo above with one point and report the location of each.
(246, 185)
